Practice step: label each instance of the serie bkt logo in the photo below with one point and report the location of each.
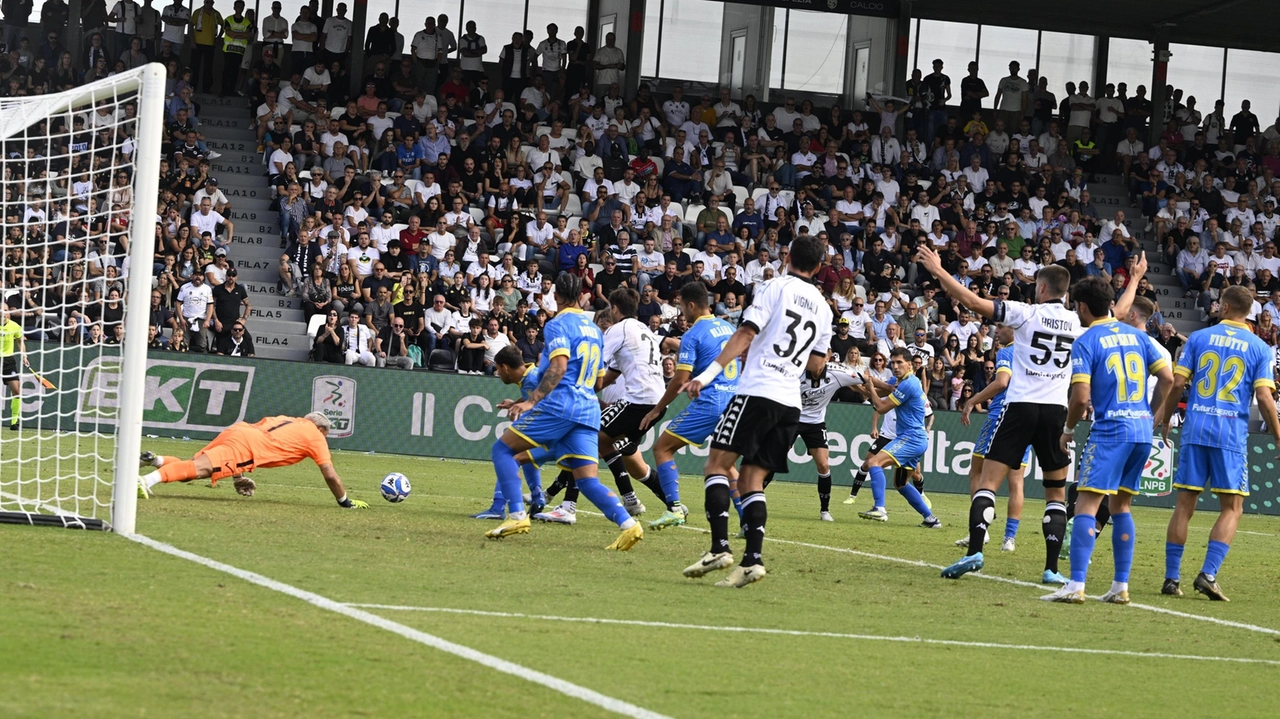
(197, 396)
(335, 398)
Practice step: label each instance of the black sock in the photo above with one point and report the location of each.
(562, 480)
(918, 484)
(1102, 517)
(859, 479)
(754, 515)
(717, 504)
(1055, 528)
(982, 512)
(571, 492)
(651, 481)
(620, 477)
(1072, 495)
(824, 491)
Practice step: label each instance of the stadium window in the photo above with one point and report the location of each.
(652, 35)
(691, 35)
(1251, 75)
(1129, 61)
(1066, 57)
(815, 51)
(956, 44)
(413, 14)
(997, 48)
(566, 14)
(1197, 70)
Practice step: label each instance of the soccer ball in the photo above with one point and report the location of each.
(395, 487)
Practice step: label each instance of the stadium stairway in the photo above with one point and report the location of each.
(276, 322)
(1110, 194)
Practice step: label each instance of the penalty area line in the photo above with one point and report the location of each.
(567, 688)
(825, 635)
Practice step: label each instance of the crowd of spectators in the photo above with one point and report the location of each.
(429, 206)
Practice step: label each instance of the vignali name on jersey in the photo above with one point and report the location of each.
(792, 322)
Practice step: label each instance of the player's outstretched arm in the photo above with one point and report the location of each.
(1125, 301)
(993, 388)
(676, 384)
(1267, 406)
(926, 256)
(1170, 405)
(870, 388)
(550, 378)
(332, 479)
(1076, 409)
(733, 349)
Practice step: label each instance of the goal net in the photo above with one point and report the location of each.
(80, 175)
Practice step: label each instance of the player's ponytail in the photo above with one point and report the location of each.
(568, 289)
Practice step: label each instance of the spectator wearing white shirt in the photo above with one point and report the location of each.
(676, 110)
(207, 220)
(337, 35)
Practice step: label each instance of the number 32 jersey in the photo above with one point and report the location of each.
(792, 322)
(1043, 336)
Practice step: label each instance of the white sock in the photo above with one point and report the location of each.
(158, 461)
(518, 515)
(1075, 586)
(1117, 587)
(569, 506)
(151, 480)
(631, 522)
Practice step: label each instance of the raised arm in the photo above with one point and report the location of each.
(1125, 301)
(926, 256)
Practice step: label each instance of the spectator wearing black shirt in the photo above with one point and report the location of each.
(667, 285)
(230, 305)
(530, 345)
(649, 305)
(235, 343)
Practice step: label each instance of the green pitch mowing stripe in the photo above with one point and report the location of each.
(570, 689)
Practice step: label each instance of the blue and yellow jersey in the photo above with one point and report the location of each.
(1223, 365)
(1117, 361)
(532, 376)
(908, 397)
(572, 334)
(1004, 363)
(701, 345)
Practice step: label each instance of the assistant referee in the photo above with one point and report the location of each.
(13, 346)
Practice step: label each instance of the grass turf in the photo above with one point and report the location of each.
(94, 624)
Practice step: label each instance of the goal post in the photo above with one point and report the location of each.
(81, 167)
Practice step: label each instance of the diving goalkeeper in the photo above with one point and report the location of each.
(241, 448)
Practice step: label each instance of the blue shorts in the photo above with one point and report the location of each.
(907, 450)
(1110, 467)
(557, 435)
(988, 433)
(696, 422)
(1225, 471)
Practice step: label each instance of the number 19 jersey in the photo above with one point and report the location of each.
(1115, 360)
(1043, 336)
(572, 334)
(792, 322)
(1224, 365)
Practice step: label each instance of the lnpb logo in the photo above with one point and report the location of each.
(1157, 474)
(335, 398)
(191, 396)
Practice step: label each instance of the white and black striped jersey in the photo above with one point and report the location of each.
(792, 322)
(815, 395)
(1043, 335)
(632, 350)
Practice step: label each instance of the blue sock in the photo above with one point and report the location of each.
(1083, 536)
(508, 471)
(1123, 538)
(877, 486)
(1173, 560)
(1011, 528)
(737, 504)
(605, 499)
(1214, 557)
(916, 501)
(669, 478)
(497, 497)
(533, 478)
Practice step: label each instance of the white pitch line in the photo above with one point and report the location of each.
(827, 635)
(570, 689)
(991, 577)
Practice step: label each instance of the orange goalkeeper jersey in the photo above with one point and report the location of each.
(282, 440)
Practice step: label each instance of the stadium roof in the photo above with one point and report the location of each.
(1246, 24)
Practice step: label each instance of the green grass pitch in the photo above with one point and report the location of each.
(94, 625)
